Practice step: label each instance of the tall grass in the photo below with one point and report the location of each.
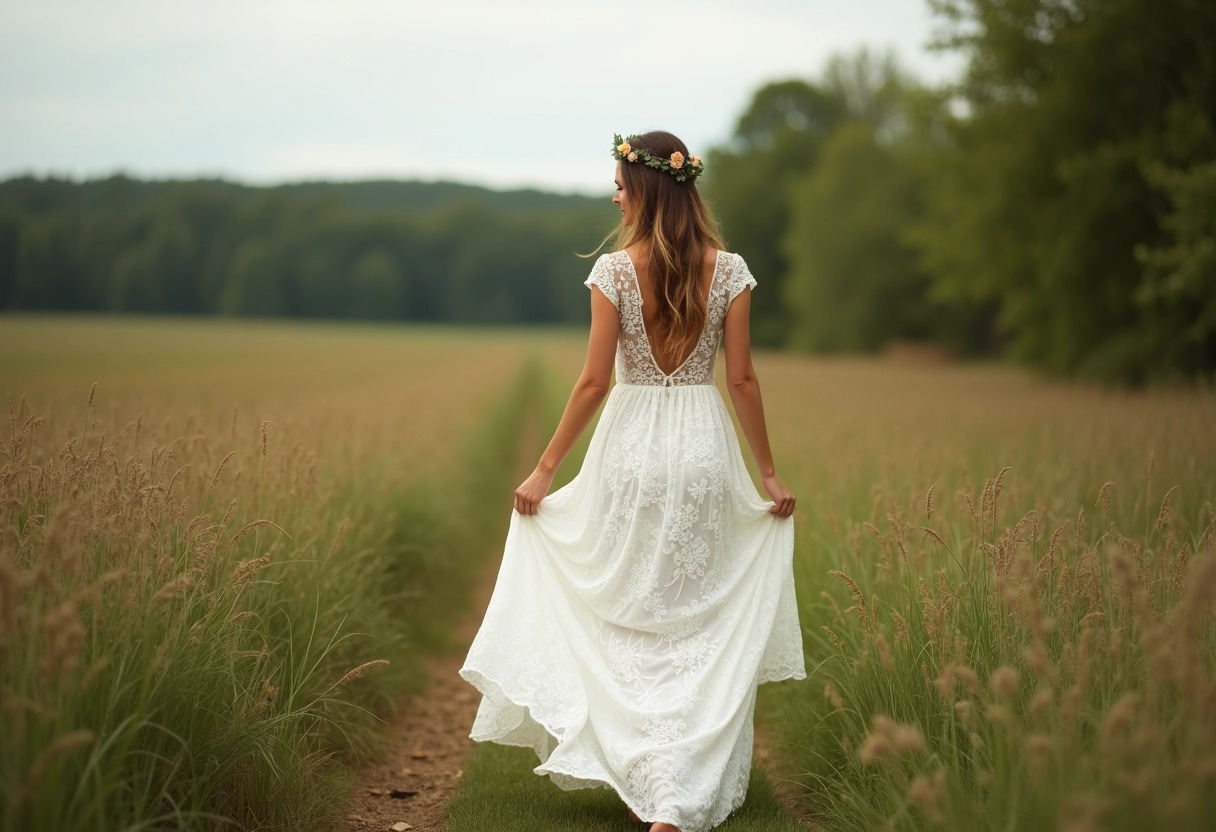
(201, 631)
(1031, 649)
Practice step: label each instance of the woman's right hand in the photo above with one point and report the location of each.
(782, 497)
(532, 490)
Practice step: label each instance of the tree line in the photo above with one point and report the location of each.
(409, 251)
(1056, 205)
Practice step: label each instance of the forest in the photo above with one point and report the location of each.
(408, 251)
(1056, 205)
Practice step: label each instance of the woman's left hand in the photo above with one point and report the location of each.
(532, 491)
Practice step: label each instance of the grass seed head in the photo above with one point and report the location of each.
(1163, 516)
(1038, 745)
(175, 588)
(945, 684)
(884, 651)
(929, 796)
(215, 479)
(833, 696)
(1040, 703)
(908, 739)
(835, 639)
(1000, 715)
(246, 571)
(1103, 501)
(1004, 682)
(965, 711)
(970, 678)
(248, 527)
(875, 747)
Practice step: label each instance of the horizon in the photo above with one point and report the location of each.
(228, 180)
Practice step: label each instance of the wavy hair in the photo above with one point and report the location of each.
(676, 226)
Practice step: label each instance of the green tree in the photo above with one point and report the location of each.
(10, 235)
(255, 281)
(854, 283)
(776, 140)
(1178, 288)
(378, 286)
(48, 274)
(159, 273)
(1043, 202)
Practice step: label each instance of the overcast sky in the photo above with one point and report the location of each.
(498, 92)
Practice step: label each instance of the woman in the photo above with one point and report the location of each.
(638, 607)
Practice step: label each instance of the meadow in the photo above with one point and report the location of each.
(223, 550)
(1006, 584)
(1007, 588)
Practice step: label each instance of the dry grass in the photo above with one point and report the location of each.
(1006, 585)
(1025, 586)
(216, 565)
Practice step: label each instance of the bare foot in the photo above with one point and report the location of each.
(663, 827)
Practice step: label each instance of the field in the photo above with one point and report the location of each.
(205, 561)
(1007, 589)
(208, 559)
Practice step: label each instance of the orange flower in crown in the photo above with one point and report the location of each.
(675, 164)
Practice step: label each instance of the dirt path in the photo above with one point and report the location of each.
(419, 775)
(414, 782)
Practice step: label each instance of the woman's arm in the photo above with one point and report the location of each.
(745, 396)
(585, 398)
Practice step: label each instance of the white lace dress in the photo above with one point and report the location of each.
(637, 611)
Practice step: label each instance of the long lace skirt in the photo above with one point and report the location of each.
(637, 611)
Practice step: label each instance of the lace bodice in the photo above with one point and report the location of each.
(615, 276)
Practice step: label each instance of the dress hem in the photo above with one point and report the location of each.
(492, 690)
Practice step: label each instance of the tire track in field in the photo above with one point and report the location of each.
(414, 781)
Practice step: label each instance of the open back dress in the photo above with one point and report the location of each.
(636, 612)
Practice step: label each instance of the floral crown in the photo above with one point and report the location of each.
(675, 164)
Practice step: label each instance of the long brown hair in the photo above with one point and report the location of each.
(677, 226)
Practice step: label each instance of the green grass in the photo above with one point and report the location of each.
(499, 791)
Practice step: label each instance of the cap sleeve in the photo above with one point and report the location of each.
(601, 276)
(740, 278)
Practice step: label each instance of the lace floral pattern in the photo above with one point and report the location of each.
(635, 614)
(614, 275)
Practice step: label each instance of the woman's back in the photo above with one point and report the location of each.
(637, 359)
(639, 256)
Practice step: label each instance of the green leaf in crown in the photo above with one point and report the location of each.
(676, 164)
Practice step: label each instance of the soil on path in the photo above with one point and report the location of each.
(418, 776)
(416, 779)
